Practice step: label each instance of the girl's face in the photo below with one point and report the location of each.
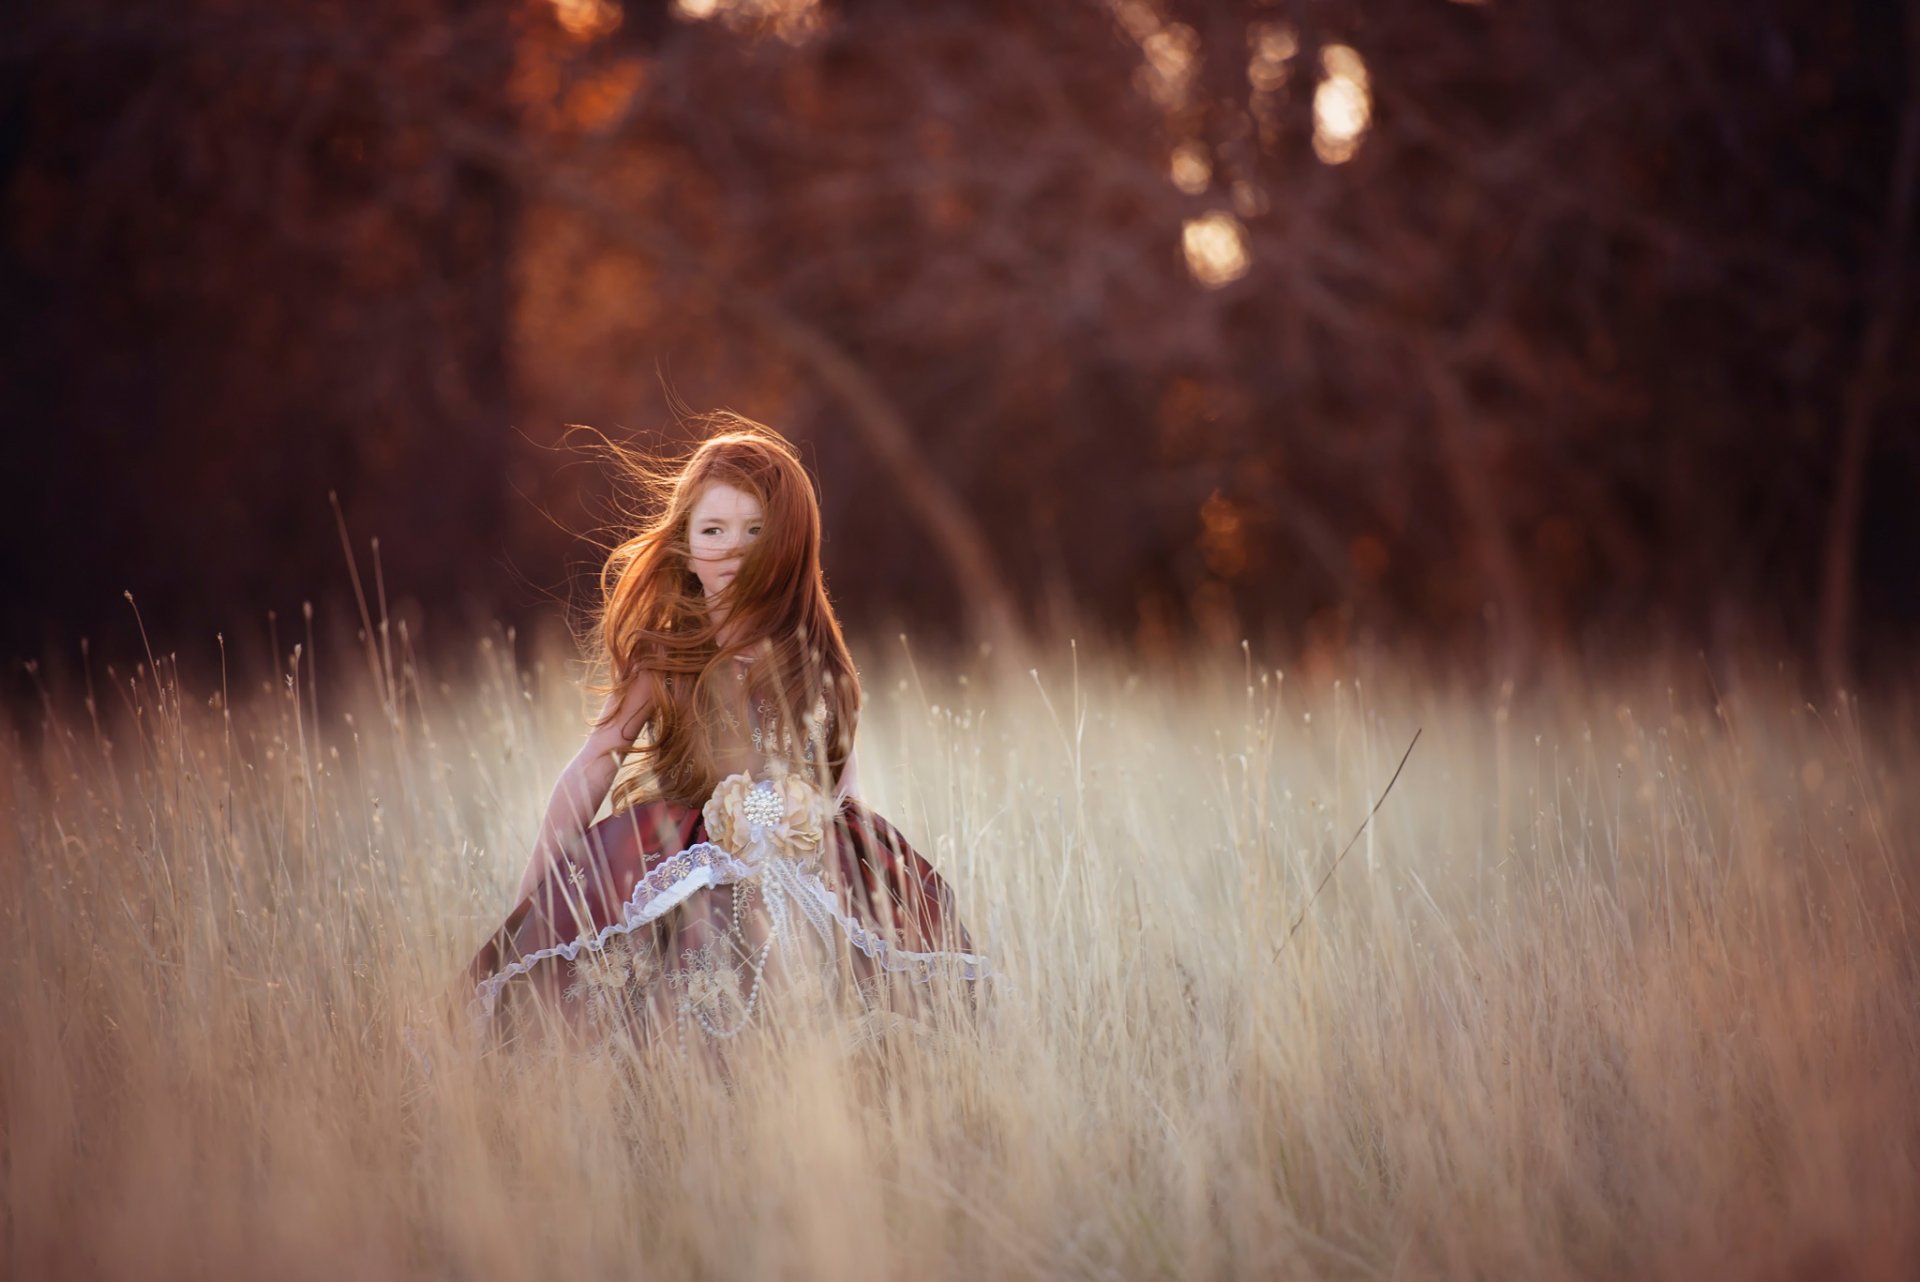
(724, 520)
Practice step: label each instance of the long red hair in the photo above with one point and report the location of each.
(653, 624)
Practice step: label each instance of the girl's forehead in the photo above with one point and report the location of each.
(718, 499)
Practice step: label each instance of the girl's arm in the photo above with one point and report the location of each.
(585, 781)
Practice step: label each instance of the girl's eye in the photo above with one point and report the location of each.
(755, 531)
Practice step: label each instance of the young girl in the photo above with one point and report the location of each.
(739, 855)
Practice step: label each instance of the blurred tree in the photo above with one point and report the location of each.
(1504, 325)
(1196, 303)
(235, 281)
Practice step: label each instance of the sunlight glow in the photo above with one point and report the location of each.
(1216, 248)
(1342, 105)
(587, 19)
(1190, 169)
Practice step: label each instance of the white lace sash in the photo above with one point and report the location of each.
(705, 865)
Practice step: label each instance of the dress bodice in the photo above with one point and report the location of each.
(748, 733)
(752, 734)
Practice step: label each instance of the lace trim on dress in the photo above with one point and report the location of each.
(705, 865)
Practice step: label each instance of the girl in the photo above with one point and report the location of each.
(738, 857)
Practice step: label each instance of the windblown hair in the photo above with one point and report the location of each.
(653, 623)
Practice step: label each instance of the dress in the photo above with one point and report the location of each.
(691, 924)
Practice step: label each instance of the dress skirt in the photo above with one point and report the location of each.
(690, 925)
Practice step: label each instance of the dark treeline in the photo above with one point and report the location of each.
(1594, 328)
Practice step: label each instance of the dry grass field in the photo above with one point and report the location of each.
(1620, 984)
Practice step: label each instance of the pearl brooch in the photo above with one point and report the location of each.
(762, 804)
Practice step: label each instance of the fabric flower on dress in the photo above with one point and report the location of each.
(786, 810)
(726, 813)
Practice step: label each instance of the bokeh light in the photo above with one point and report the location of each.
(1342, 105)
(1272, 46)
(587, 19)
(1216, 248)
(790, 20)
(1190, 169)
(1173, 58)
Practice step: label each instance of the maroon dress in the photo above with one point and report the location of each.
(690, 924)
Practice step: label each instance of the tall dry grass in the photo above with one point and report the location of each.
(1620, 984)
